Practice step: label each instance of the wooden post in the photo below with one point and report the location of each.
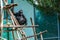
(23, 35)
(13, 35)
(18, 34)
(36, 35)
(34, 30)
(8, 25)
(41, 35)
(1, 18)
(8, 34)
(13, 28)
(0, 21)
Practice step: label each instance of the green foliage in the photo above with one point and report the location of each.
(46, 5)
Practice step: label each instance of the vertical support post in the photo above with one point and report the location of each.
(13, 35)
(0, 22)
(42, 33)
(18, 35)
(23, 34)
(1, 19)
(7, 24)
(41, 36)
(8, 34)
(32, 22)
(13, 28)
(7, 20)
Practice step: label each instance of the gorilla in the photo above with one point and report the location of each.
(21, 18)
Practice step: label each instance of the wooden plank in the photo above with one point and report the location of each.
(0, 20)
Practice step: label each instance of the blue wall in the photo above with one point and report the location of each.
(28, 11)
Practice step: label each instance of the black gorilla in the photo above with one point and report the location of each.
(21, 18)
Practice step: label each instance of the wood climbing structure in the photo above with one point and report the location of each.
(15, 24)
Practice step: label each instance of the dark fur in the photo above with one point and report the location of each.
(18, 16)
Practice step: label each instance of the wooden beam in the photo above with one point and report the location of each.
(35, 34)
(34, 30)
(1, 20)
(19, 26)
(9, 6)
(13, 35)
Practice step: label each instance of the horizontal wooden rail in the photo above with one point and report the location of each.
(18, 26)
(8, 6)
(35, 35)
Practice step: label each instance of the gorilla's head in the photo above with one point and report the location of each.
(20, 12)
(20, 17)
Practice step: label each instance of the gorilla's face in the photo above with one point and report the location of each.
(21, 14)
